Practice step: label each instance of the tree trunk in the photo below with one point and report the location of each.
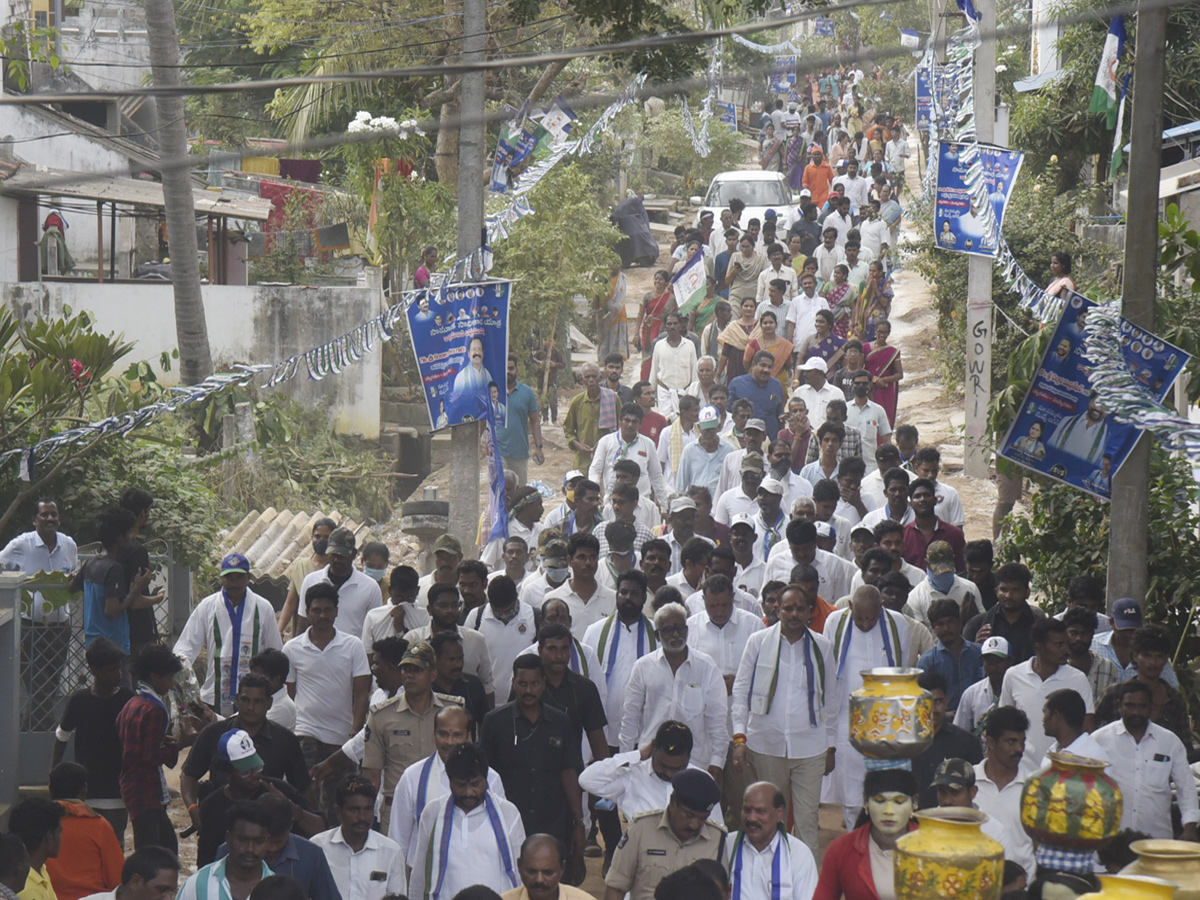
(191, 330)
(446, 153)
(547, 79)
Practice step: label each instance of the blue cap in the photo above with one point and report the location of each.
(1126, 613)
(770, 214)
(235, 562)
(695, 789)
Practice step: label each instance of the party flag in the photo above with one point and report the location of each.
(1104, 94)
(1118, 155)
(690, 283)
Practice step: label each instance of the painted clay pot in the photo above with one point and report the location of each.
(891, 716)
(1175, 861)
(1071, 803)
(1131, 887)
(948, 856)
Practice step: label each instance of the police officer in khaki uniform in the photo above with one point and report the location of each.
(662, 841)
(399, 731)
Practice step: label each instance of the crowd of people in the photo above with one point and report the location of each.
(654, 672)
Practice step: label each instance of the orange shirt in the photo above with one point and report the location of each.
(90, 860)
(820, 613)
(818, 179)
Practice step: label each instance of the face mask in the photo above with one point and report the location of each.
(942, 583)
(861, 390)
(320, 546)
(375, 574)
(556, 575)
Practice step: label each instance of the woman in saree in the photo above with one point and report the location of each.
(767, 338)
(614, 323)
(655, 304)
(883, 362)
(699, 317)
(773, 151)
(824, 343)
(794, 159)
(743, 272)
(734, 339)
(874, 302)
(840, 294)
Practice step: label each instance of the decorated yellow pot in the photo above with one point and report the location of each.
(1175, 861)
(1131, 887)
(948, 856)
(891, 716)
(1071, 803)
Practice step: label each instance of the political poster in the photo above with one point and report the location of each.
(558, 120)
(505, 154)
(957, 217)
(460, 339)
(823, 26)
(727, 113)
(1061, 430)
(909, 38)
(927, 78)
(783, 75)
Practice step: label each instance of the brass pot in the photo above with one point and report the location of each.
(1131, 887)
(891, 716)
(1175, 861)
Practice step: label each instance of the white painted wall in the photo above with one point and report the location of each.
(8, 238)
(246, 324)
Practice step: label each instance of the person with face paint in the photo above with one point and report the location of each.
(469, 836)
(858, 865)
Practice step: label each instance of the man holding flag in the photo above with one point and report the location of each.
(1104, 93)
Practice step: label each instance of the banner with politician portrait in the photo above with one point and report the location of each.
(783, 75)
(460, 339)
(1061, 430)
(959, 223)
(947, 98)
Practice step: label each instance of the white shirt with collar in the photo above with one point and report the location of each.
(949, 507)
(769, 274)
(504, 640)
(882, 513)
(625, 639)
(677, 550)
(1004, 805)
(817, 399)
(1027, 691)
(477, 658)
(679, 580)
(750, 578)
(1146, 772)
(834, 572)
(803, 315)
(283, 710)
(324, 690)
(664, 445)
(724, 644)
(1085, 745)
(734, 502)
(473, 853)
(743, 601)
(370, 874)
(974, 704)
(402, 827)
(600, 605)
(534, 590)
(694, 695)
(870, 419)
(379, 623)
(209, 614)
(673, 367)
(610, 449)
(785, 730)
(850, 513)
(827, 261)
(356, 597)
(628, 781)
(28, 553)
(756, 868)
(914, 575)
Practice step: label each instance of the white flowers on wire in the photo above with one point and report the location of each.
(363, 121)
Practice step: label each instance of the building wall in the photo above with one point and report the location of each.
(246, 324)
(8, 238)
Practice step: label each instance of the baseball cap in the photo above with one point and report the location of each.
(235, 562)
(814, 363)
(236, 747)
(449, 543)
(555, 554)
(571, 476)
(996, 646)
(695, 789)
(1127, 613)
(752, 462)
(939, 558)
(679, 504)
(341, 542)
(743, 519)
(419, 654)
(825, 530)
(772, 486)
(954, 773)
(756, 424)
(863, 530)
(770, 214)
(709, 417)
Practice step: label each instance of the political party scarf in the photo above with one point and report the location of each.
(423, 782)
(150, 695)
(842, 636)
(765, 679)
(781, 875)
(645, 640)
(245, 646)
(443, 847)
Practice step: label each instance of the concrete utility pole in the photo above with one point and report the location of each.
(980, 331)
(1129, 511)
(464, 439)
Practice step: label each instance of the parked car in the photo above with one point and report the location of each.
(760, 191)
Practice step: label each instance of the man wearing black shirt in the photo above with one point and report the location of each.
(91, 715)
(1012, 617)
(949, 742)
(571, 692)
(278, 748)
(979, 556)
(451, 679)
(528, 743)
(143, 626)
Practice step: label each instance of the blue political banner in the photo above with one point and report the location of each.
(958, 224)
(783, 76)
(927, 78)
(460, 338)
(1061, 431)
(823, 26)
(497, 498)
(727, 113)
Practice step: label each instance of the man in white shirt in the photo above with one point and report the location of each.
(744, 542)
(423, 783)
(1152, 760)
(365, 864)
(954, 780)
(640, 781)
(358, 593)
(800, 546)
(895, 495)
(1001, 779)
(675, 682)
(626, 443)
(672, 365)
(828, 256)
(864, 636)
(721, 629)
(587, 600)
(755, 864)
(754, 437)
(275, 665)
(867, 416)
(330, 679)
(775, 269)
(674, 438)
(742, 499)
(984, 694)
(816, 391)
(941, 583)
(947, 505)
(399, 615)
(1027, 684)
(873, 231)
(508, 626)
(477, 842)
(781, 720)
(801, 317)
(1062, 719)
(234, 621)
(841, 221)
(854, 186)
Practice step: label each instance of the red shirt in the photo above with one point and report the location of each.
(846, 868)
(915, 543)
(653, 425)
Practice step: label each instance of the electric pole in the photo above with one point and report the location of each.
(464, 439)
(978, 384)
(1129, 512)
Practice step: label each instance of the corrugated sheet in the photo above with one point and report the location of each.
(272, 539)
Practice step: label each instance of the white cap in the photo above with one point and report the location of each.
(709, 417)
(772, 486)
(805, 192)
(571, 476)
(825, 530)
(814, 364)
(679, 504)
(743, 519)
(996, 646)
